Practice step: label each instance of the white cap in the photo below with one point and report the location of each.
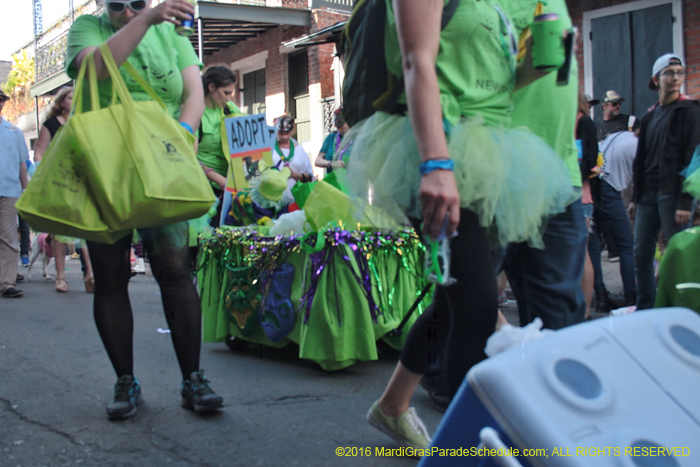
(661, 63)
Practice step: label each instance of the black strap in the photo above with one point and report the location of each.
(399, 329)
(448, 12)
(392, 100)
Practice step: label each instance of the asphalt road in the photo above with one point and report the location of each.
(56, 380)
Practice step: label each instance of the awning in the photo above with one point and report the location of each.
(327, 35)
(225, 24)
(50, 84)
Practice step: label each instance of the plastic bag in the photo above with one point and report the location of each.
(290, 223)
(510, 336)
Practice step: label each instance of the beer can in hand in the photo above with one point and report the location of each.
(186, 27)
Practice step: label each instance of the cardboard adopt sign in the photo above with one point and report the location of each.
(248, 140)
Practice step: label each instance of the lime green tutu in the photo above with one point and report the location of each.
(510, 178)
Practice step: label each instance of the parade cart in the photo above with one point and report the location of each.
(334, 292)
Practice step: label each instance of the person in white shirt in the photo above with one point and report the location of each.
(289, 153)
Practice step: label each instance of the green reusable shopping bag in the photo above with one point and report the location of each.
(59, 200)
(301, 192)
(139, 161)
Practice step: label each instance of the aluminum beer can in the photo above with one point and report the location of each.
(186, 27)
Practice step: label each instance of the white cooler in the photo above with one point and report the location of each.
(594, 392)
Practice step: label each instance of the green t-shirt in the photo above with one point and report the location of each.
(160, 57)
(550, 110)
(475, 68)
(211, 152)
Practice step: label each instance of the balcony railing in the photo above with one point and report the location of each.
(343, 5)
(50, 57)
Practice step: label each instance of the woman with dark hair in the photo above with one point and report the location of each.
(146, 38)
(219, 84)
(330, 157)
(57, 116)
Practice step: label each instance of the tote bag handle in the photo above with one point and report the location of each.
(88, 61)
(119, 89)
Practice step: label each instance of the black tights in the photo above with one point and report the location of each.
(463, 316)
(112, 309)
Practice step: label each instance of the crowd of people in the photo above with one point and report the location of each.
(496, 170)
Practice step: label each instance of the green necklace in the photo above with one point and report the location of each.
(281, 154)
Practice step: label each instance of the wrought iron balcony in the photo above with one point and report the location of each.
(343, 5)
(50, 57)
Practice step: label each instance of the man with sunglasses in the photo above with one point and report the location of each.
(613, 120)
(668, 136)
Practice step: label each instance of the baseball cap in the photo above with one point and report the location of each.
(590, 100)
(3, 96)
(612, 96)
(662, 62)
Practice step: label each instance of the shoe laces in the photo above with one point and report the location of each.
(200, 384)
(416, 423)
(123, 388)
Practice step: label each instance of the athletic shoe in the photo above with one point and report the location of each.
(502, 299)
(408, 429)
(197, 395)
(19, 278)
(25, 261)
(127, 398)
(139, 266)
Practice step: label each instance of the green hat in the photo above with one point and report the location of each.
(273, 182)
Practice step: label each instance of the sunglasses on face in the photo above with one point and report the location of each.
(119, 7)
(614, 104)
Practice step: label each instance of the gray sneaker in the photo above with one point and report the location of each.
(127, 398)
(408, 429)
(197, 395)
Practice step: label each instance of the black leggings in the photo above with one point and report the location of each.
(112, 309)
(461, 318)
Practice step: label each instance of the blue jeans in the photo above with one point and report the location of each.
(547, 283)
(655, 212)
(611, 210)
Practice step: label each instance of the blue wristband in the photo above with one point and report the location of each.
(187, 127)
(434, 164)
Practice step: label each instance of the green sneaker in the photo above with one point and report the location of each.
(127, 398)
(408, 429)
(197, 395)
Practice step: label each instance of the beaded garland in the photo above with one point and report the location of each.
(370, 250)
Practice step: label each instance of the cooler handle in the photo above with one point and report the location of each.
(490, 440)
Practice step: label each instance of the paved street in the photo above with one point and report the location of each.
(56, 380)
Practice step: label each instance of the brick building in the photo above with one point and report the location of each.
(278, 71)
(620, 39)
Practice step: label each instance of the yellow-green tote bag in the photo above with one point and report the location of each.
(139, 161)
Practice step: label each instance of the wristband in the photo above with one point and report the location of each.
(434, 164)
(187, 127)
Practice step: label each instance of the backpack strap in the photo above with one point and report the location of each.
(389, 101)
(448, 12)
